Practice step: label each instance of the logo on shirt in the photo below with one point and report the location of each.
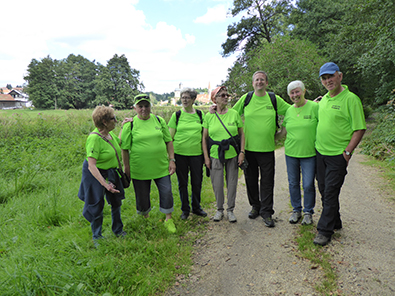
(336, 107)
(157, 128)
(231, 123)
(269, 107)
(307, 117)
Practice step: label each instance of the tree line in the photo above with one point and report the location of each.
(291, 40)
(77, 83)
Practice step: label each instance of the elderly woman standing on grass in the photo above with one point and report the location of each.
(99, 175)
(221, 152)
(300, 124)
(185, 128)
(151, 157)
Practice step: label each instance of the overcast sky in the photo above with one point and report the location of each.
(168, 41)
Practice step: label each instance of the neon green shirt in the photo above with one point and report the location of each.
(301, 125)
(103, 152)
(260, 121)
(338, 118)
(188, 137)
(217, 132)
(147, 145)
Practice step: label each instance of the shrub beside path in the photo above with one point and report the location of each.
(247, 258)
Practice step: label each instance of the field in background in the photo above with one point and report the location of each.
(45, 243)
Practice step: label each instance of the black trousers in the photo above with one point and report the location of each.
(260, 198)
(331, 172)
(194, 166)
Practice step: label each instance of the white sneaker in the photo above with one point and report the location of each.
(218, 216)
(307, 219)
(231, 217)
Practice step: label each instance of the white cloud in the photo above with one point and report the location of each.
(214, 14)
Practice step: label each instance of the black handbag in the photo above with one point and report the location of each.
(237, 141)
(124, 178)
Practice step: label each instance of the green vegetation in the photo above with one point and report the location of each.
(45, 243)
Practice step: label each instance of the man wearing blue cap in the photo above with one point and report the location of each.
(341, 126)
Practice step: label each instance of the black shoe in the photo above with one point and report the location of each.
(184, 215)
(121, 234)
(253, 214)
(321, 240)
(269, 222)
(200, 213)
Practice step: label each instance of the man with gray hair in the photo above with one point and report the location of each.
(341, 126)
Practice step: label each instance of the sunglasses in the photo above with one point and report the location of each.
(223, 95)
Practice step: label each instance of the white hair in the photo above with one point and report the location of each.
(295, 84)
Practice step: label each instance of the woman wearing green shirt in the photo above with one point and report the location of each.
(299, 125)
(99, 175)
(222, 154)
(185, 128)
(151, 157)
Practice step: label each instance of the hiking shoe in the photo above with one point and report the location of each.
(321, 239)
(184, 215)
(307, 219)
(269, 222)
(295, 217)
(121, 234)
(253, 214)
(169, 224)
(218, 216)
(231, 217)
(200, 213)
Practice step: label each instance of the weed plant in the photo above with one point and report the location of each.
(45, 243)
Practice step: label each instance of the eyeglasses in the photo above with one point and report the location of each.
(186, 98)
(223, 95)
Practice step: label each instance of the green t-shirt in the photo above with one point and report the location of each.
(338, 118)
(260, 121)
(217, 132)
(147, 144)
(301, 125)
(188, 137)
(103, 152)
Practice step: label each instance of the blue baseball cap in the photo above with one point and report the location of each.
(329, 68)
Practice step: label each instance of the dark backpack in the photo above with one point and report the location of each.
(178, 114)
(272, 99)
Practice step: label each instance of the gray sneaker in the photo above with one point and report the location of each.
(321, 240)
(218, 216)
(295, 217)
(231, 217)
(307, 219)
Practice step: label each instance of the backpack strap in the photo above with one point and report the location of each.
(274, 103)
(248, 98)
(178, 114)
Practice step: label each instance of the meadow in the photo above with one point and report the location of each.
(45, 243)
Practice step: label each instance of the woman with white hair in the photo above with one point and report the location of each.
(299, 126)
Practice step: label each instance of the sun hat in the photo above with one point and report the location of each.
(141, 97)
(329, 68)
(215, 91)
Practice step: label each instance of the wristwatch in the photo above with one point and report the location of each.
(347, 153)
(172, 159)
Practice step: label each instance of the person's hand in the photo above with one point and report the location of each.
(172, 167)
(127, 120)
(317, 99)
(111, 187)
(212, 108)
(241, 158)
(346, 157)
(207, 162)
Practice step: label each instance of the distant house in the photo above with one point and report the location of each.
(8, 102)
(203, 98)
(14, 99)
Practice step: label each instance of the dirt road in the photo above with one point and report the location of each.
(247, 258)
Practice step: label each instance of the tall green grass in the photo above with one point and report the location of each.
(45, 243)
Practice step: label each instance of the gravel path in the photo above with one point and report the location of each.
(247, 258)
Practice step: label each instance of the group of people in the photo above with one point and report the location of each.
(320, 139)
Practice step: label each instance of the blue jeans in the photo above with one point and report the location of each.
(117, 225)
(142, 190)
(308, 167)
